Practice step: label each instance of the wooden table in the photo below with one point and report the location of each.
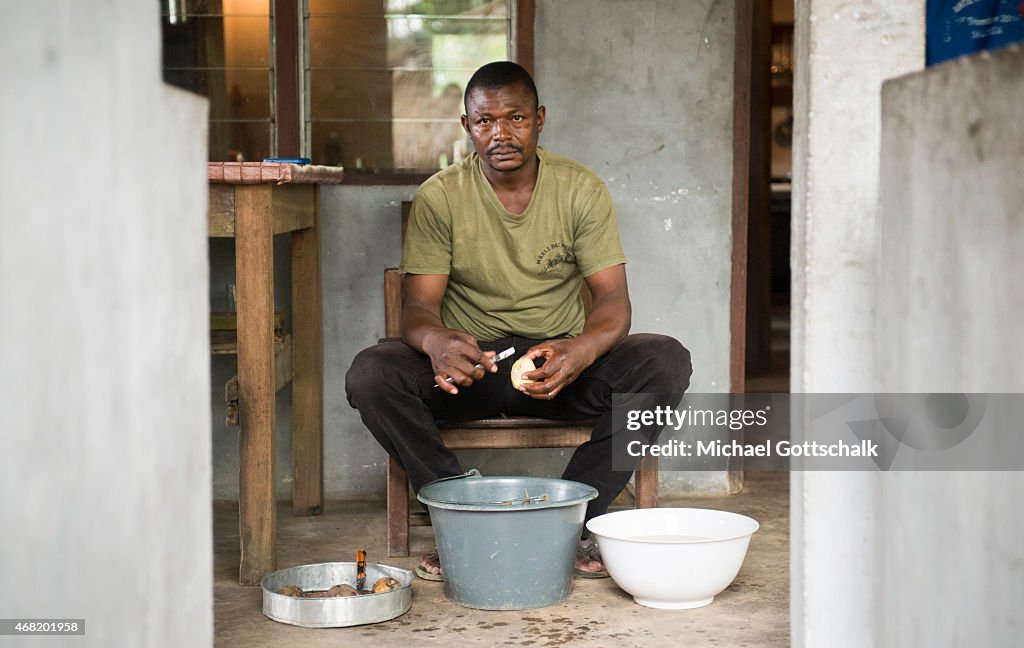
(252, 213)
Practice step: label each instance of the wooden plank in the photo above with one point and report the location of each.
(224, 337)
(736, 465)
(392, 303)
(742, 74)
(220, 213)
(282, 376)
(294, 207)
(740, 194)
(254, 280)
(759, 228)
(519, 422)
(307, 369)
(525, 11)
(226, 342)
(286, 76)
(291, 204)
(228, 321)
(223, 321)
(223, 343)
(565, 436)
(398, 509)
(647, 483)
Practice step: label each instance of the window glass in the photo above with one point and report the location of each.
(384, 78)
(221, 50)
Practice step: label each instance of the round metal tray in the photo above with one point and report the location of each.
(337, 612)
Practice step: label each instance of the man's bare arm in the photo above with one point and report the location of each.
(608, 322)
(421, 307)
(452, 353)
(611, 313)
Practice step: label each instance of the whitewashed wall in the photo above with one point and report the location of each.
(950, 562)
(907, 240)
(104, 367)
(843, 53)
(641, 92)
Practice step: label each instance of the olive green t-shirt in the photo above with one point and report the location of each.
(513, 274)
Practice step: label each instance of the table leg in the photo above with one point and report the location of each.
(307, 370)
(398, 509)
(647, 483)
(254, 281)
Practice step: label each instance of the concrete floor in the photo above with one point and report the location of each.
(753, 611)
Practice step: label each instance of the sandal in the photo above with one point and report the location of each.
(590, 551)
(428, 575)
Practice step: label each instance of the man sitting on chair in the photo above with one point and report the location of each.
(496, 249)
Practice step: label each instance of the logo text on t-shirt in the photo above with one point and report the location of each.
(554, 255)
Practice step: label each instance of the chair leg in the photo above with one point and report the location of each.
(398, 509)
(647, 483)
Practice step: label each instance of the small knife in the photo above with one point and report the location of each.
(361, 571)
(498, 358)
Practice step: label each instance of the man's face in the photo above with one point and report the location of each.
(504, 124)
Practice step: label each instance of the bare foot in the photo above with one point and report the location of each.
(588, 564)
(588, 561)
(431, 563)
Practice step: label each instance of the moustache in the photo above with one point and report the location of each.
(504, 148)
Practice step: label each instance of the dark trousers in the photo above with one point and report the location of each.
(391, 385)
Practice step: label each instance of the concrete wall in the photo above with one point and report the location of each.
(950, 315)
(360, 237)
(642, 93)
(843, 53)
(105, 414)
(907, 239)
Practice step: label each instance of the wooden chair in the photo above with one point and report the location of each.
(491, 433)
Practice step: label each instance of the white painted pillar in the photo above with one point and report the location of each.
(104, 331)
(843, 53)
(950, 313)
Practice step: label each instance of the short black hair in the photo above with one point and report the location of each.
(500, 74)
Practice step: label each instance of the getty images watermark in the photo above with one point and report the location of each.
(821, 431)
(739, 419)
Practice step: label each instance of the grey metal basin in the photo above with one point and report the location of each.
(336, 612)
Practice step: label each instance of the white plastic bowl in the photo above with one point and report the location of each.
(674, 558)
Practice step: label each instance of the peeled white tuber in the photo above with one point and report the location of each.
(519, 367)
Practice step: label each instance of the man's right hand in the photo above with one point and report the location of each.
(456, 358)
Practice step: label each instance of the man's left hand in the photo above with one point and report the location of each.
(564, 360)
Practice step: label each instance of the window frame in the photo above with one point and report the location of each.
(289, 93)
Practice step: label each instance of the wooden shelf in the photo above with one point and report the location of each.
(224, 333)
(282, 376)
